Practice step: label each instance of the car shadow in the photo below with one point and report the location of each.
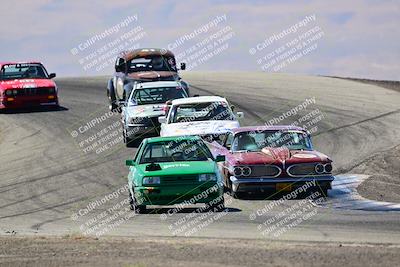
(273, 195)
(34, 110)
(184, 210)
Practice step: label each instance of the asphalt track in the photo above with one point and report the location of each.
(46, 178)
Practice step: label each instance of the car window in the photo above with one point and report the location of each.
(152, 63)
(257, 140)
(156, 95)
(228, 140)
(23, 71)
(201, 112)
(170, 151)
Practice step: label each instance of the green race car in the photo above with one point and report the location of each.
(175, 170)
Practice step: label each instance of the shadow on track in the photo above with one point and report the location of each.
(39, 109)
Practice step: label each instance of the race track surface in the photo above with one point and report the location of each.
(47, 178)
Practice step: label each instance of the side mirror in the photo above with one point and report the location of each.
(219, 158)
(120, 68)
(52, 75)
(162, 119)
(130, 162)
(240, 115)
(183, 66)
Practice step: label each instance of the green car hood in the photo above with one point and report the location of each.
(179, 168)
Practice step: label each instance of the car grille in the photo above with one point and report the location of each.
(301, 169)
(258, 171)
(33, 91)
(265, 170)
(179, 180)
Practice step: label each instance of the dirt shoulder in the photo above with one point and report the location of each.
(78, 251)
(383, 167)
(384, 181)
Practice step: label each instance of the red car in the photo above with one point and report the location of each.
(279, 158)
(26, 84)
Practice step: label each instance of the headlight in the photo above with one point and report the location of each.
(151, 180)
(328, 167)
(52, 90)
(242, 171)
(8, 92)
(319, 168)
(15, 92)
(207, 177)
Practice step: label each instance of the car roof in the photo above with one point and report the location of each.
(268, 127)
(198, 99)
(19, 62)
(172, 138)
(144, 52)
(157, 84)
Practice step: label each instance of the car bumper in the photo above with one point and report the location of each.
(22, 102)
(170, 195)
(138, 130)
(264, 184)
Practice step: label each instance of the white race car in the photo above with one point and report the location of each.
(146, 102)
(207, 116)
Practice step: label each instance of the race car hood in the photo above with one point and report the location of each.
(198, 127)
(153, 75)
(26, 83)
(269, 155)
(153, 110)
(180, 168)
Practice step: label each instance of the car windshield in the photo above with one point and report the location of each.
(23, 71)
(156, 95)
(179, 150)
(201, 112)
(157, 63)
(257, 140)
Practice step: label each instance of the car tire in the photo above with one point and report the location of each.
(112, 106)
(323, 191)
(129, 142)
(134, 206)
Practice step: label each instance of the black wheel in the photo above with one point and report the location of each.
(323, 191)
(112, 106)
(231, 192)
(135, 207)
(129, 142)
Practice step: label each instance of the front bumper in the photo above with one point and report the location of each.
(170, 195)
(22, 102)
(264, 184)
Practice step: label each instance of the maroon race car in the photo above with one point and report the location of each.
(25, 85)
(279, 158)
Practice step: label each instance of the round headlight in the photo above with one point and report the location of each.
(246, 171)
(237, 171)
(8, 92)
(319, 168)
(328, 167)
(51, 90)
(15, 92)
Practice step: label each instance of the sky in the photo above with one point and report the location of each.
(358, 38)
